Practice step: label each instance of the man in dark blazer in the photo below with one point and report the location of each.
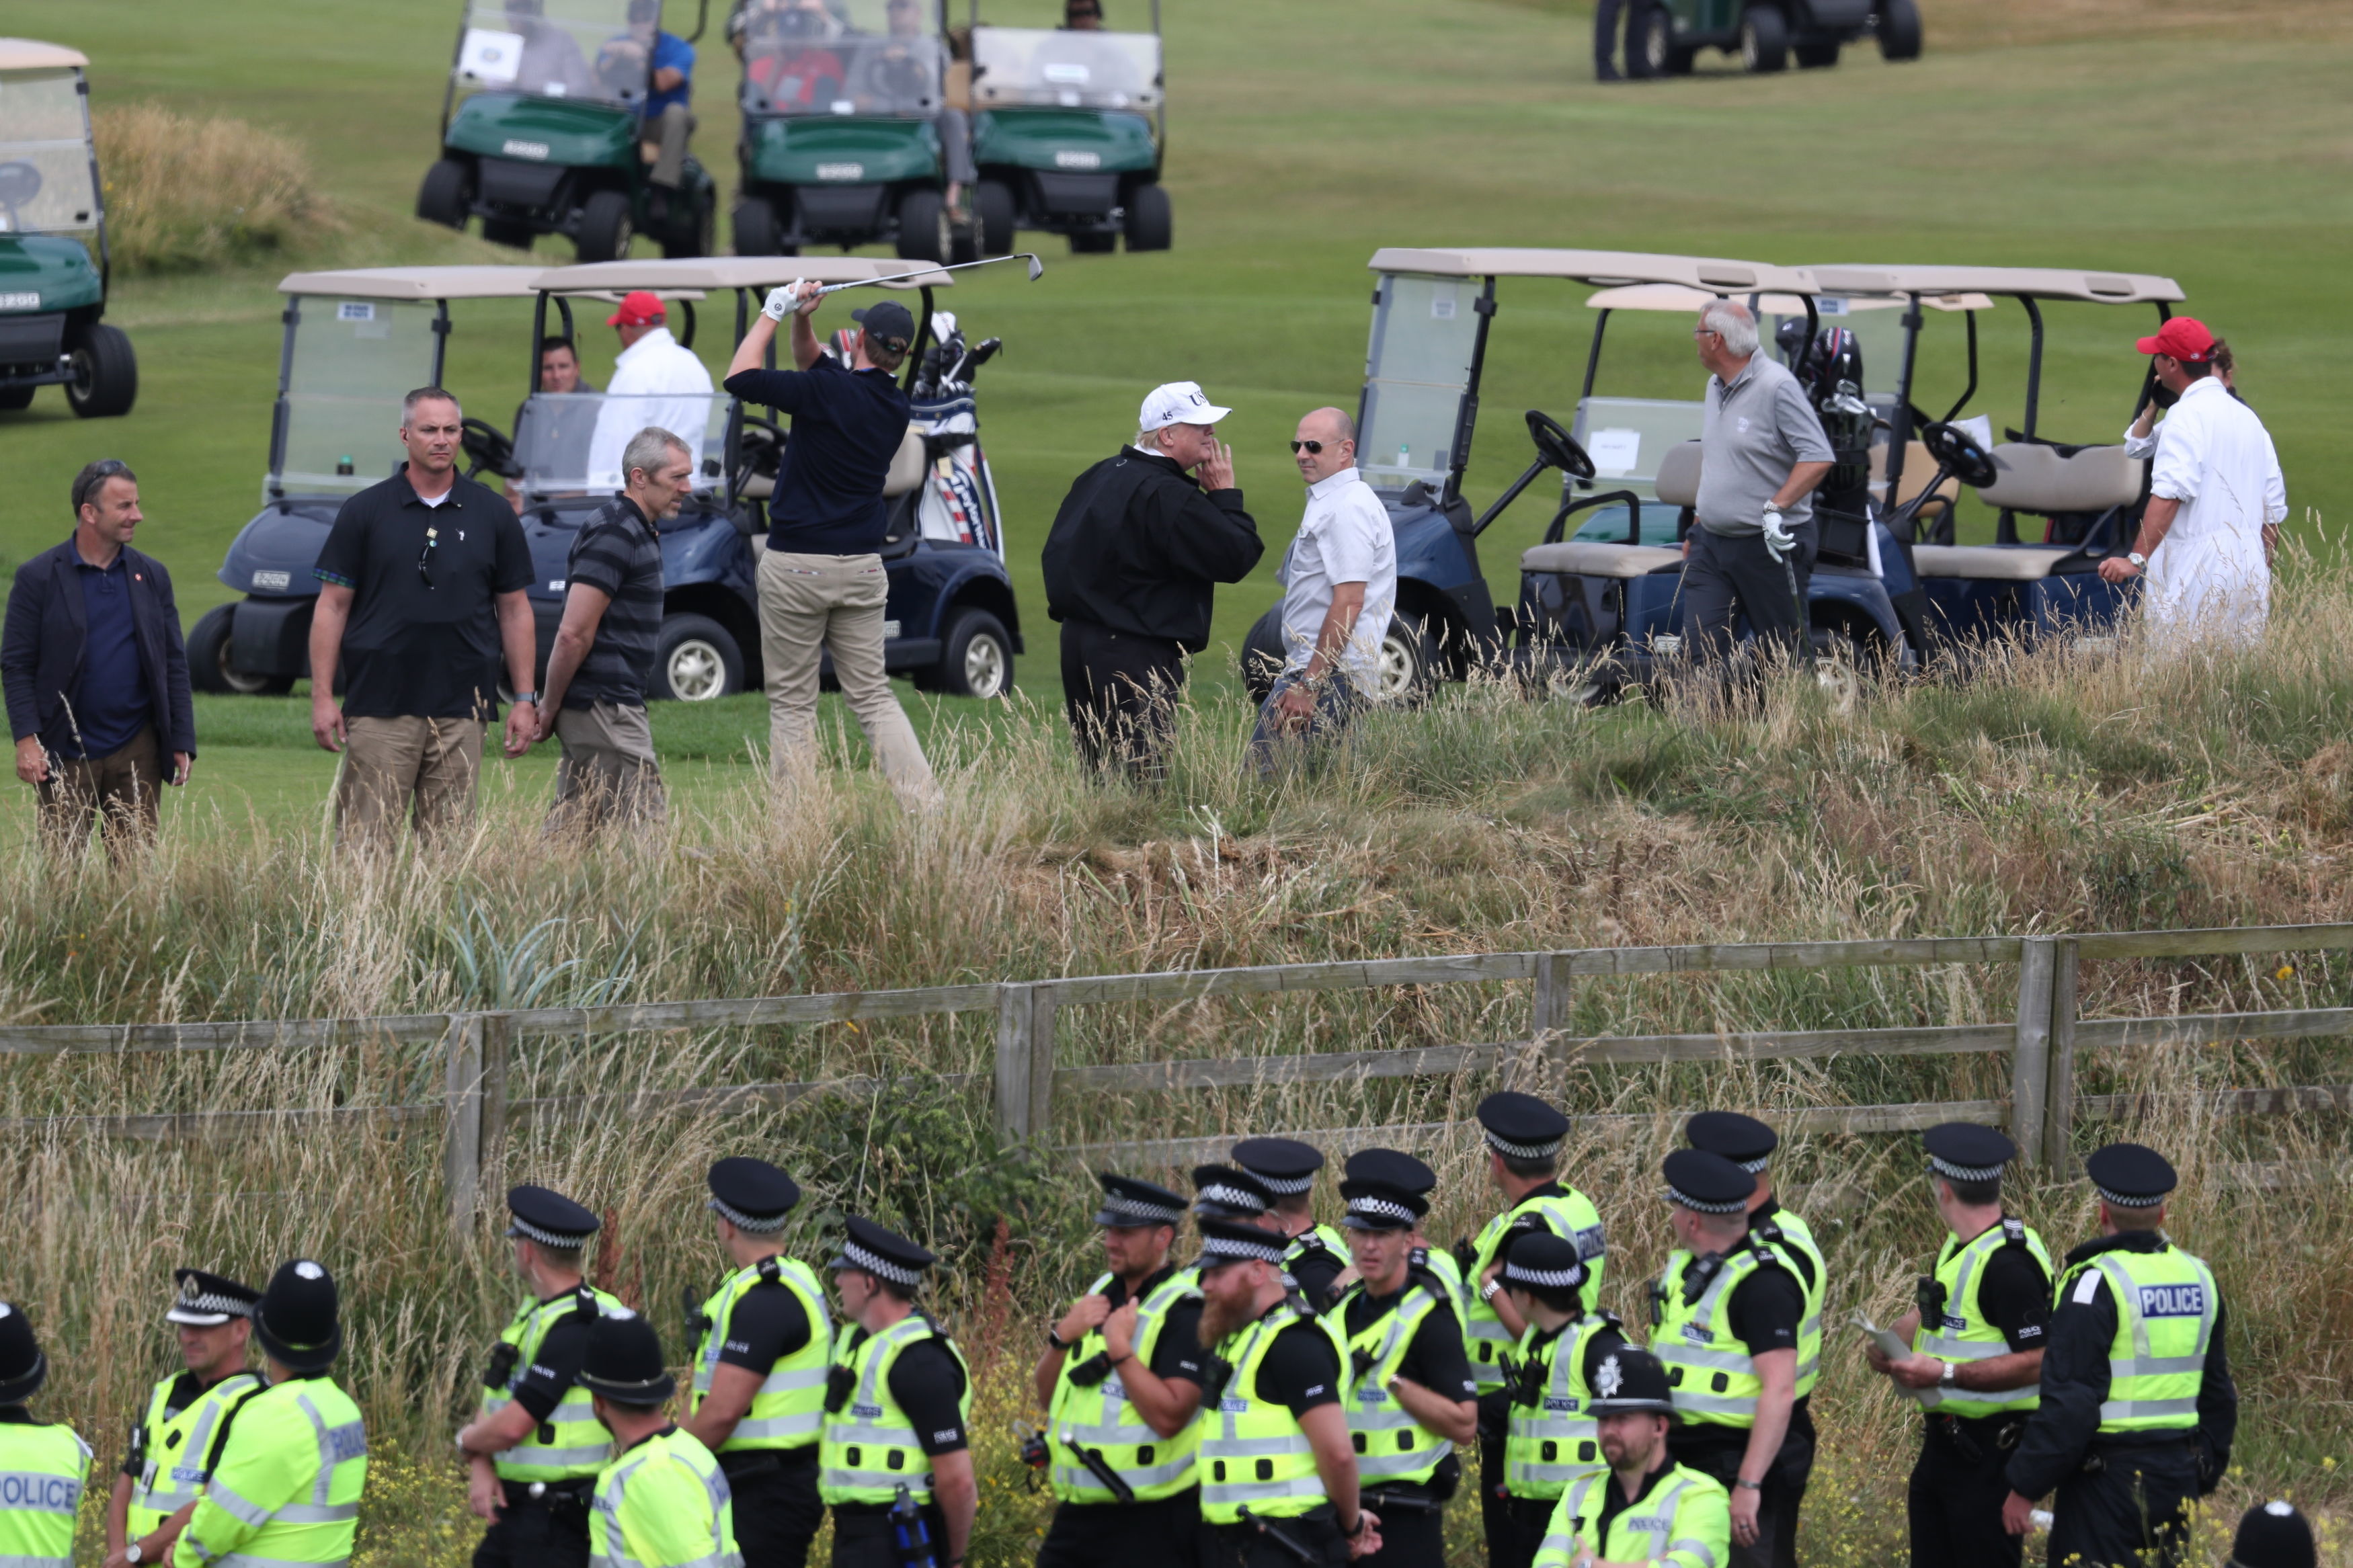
(97, 676)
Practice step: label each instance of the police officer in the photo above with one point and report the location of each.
(1977, 1342)
(661, 1501)
(1727, 1315)
(2137, 1409)
(1121, 1379)
(2274, 1535)
(1421, 1182)
(286, 1489)
(760, 1364)
(45, 1461)
(1552, 1438)
(1278, 1471)
(533, 1450)
(1222, 1192)
(1523, 1138)
(1317, 1254)
(1750, 1144)
(898, 1399)
(1410, 1401)
(172, 1442)
(1648, 1508)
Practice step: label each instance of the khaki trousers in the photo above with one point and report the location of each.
(808, 604)
(608, 774)
(671, 130)
(425, 770)
(116, 793)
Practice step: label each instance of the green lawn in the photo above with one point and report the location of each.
(1296, 151)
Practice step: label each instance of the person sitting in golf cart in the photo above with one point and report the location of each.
(902, 74)
(661, 65)
(552, 65)
(788, 57)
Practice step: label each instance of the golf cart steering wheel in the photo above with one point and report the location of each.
(1558, 447)
(486, 447)
(761, 451)
(20, 183)
(1958, 453)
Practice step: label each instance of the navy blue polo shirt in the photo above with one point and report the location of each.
(846, 427)
(111, 704)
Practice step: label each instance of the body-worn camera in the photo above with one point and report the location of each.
(840, 1382)
(500, 1371)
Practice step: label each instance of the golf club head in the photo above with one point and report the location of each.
(1036, 268)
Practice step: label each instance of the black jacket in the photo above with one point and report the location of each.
(41, 649)
(1137, 547)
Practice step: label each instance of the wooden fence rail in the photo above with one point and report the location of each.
(2041, 1042)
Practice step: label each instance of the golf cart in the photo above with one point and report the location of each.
(1661, 36)
(51, 293)
(1068, 129)
(841, 137)
(356, 342)
(547, 138)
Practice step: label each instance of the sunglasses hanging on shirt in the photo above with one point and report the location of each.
(424, 556)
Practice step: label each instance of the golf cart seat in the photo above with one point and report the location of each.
(2041, 481)
(1587, 558)
(1987, 563)
(906, 464)
(1678, 480)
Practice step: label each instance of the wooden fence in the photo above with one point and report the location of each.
(2042, 1042)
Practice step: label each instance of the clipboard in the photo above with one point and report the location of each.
(1893, 1349)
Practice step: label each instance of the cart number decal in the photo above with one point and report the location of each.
(890, 628)
(1441, 302)
(31, 301)
(841, 170)
(1616, 452)
(535, 150)
(1066, 71)
(265, 581)
(1078, 160)
(1830, 305)
(355, 311)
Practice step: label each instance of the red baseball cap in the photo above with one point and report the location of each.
(640, 308)
(2184, 337)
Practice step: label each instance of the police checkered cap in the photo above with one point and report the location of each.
(1522, 1127)
(1385, 1213)
(1945, 1168)
(2129, 1200)
(1743, 1140)
(1129, 1201)
(541, 1215)
(755, 1225)
(856, 1256)
(518, 1226)
(882, 1253)
(1286, 1165)
(1223, 1191)
(208, 1300)
(1707, 1184)
(2131, 1175)
(1223, 1242)
(1569, 1278)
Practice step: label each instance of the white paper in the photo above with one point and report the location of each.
(1615, 452)
(1893, 1349)
(1978, 427)
(490, 56)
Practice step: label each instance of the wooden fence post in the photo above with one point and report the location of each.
(1025, 1062)
(497, 1047)
(2029, 1063)
(461, 1150)
(1555, 995)
(2059, 1105)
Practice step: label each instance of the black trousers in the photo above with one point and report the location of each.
(1162, 1533)
(1525, 1518)
(1783, 1491)
(864, 1537)
(1495, 1507)
(1120, 691)
(1955, 1498)
(2132, 1514)
(1247, 1546)
(536, 1533)
(1725, 578)
(1607, 14)
(778, 1510)
(1412, 1536)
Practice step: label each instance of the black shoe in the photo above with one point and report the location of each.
(1609, 76)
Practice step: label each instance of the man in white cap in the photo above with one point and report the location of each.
(1130, 568)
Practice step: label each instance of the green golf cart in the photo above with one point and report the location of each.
(542, 132)
(1661, 36)
(1068, 132)
(842, 128)
(51, 293)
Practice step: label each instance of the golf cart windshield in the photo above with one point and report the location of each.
(804, 57)
(1417, 372)
(571, 443)
(349, 363)
(600, 50)
(1070, 69)
(46, 183)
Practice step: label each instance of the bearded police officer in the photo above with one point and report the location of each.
(2137, 1409)
(1725, 1317)
(1646, 1508)
(1278, 1473)
(1317, 1254)
(286, 1489)
(897, 1401)
(1121, 1379)
(1523, 1138)
(661, 1501)
(1410, 1401)
(1977, 1343)
(173, 1440)
(1552, 1438)
(45, 1462)
(760, 1367)
(534, 1450)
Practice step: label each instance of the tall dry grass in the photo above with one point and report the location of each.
(190, 193)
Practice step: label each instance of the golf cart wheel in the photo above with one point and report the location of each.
(208, 665)
(447, 194)
(1814, 56)
(1409, 668)
(975, 658)
(963, 245)
(509, 232)
(1843, 667)
(1151, 224)
(992, 212)
(17, 398)
(1764, 39)
(1093, 243)
(1899, 29)
(696, 659)
(103, 381)
(754, 224)
(698, 237)
(607, 227)
(922, 226)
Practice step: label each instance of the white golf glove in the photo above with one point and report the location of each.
(783, 301)
(1778, 540)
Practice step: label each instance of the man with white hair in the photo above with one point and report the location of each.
(1762, 453)
(1132, 565)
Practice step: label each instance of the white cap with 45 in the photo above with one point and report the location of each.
(1179, 403)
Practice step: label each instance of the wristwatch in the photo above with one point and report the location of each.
(131, 1553)
(1057, 1340)
(1952, 1375)
(1749, 1486)
(522, 697)
(1487, 1291)
(2136, 558)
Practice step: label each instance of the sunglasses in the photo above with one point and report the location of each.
(1315, 447)
(424, 556)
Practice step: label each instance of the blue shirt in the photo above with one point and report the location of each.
(846, 427)
(672, 53)
(110, 705)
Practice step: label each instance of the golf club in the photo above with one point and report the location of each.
(1036, 270)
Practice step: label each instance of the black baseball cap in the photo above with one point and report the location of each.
(887, 323)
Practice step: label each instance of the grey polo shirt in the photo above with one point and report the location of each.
(1752, 433)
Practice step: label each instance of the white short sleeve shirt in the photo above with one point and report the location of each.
(1346, 537)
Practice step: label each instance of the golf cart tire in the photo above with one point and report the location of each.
(104, 380)
(1764, 39)
(14, 397)
(922, 226)
(992, 215)
(1151, 222)
(1651, 52)
(1093, 243)
(1814, 56)
(447, 194)
(509, 232)
(607, 227)
(695, 660)
(1263, 655)
(699, 239)
(208, 667)
(975, 658)
(754, 223)
(1899, 29)
(964, 245)
(1410, 667)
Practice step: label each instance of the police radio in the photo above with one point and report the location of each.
(1091, 1372)
(1930, 1298)
(500, 1371)
(1216, 1373)
(698, 1322)
(840, 1382)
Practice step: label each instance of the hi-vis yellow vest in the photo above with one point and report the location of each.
(1101, 1417)
(871, 1447)
(571, 1444)
(1253, 1453)
(1553, 1437)
(2165, 1308)
(789, 1407)
(1569, 1214)
(175, 1448)
(1714, 1377)
(1390, 1445)
(1789, 1236)
(1965, 1335)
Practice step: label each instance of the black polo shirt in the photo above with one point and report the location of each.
(424, 644)
(846, 427)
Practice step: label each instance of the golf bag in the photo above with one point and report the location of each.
(1831, 370)
(958, 501)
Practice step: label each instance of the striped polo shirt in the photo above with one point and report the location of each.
(619, 553)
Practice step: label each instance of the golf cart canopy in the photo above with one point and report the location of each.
(2018, 282)
(1065, 69)
(715, 272)
(1675, 298)
(1712, 275)
(31, 55)
(596, 51)
(839, 59)
(421, 285)
(48, 175)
